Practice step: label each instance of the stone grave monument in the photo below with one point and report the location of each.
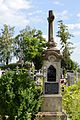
(51, 108)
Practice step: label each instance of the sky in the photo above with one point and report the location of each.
(34, 13)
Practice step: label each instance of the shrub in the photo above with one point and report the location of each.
(19, 96)
(71, 101)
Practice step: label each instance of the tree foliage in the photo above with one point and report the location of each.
(19, 96)
(66, 45)
(6, 44)
(30, 45)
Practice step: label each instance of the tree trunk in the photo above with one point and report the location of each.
(7, 61)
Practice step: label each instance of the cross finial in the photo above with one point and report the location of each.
(51, 16)
(51, 42)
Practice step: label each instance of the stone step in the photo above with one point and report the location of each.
(51, 116)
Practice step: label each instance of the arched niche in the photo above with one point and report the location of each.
(51, 74)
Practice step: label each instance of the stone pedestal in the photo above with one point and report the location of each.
(51, 108)
(52, 103)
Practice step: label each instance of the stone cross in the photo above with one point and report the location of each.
(50, 30)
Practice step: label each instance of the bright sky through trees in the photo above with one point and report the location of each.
(34, 13)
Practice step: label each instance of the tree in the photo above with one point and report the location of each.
(6, 44)
(30, 45)
(19, 95)
(66, 47)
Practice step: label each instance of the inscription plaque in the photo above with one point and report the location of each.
(51, 87)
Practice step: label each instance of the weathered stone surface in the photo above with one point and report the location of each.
(52, 103)
(51, 88)
(51, 108)
(51, 116)
(48, 63)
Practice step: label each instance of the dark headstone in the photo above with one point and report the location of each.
(51, 75)
(51, 88)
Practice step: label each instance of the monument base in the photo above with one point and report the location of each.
(51, 116)
(52, 103)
